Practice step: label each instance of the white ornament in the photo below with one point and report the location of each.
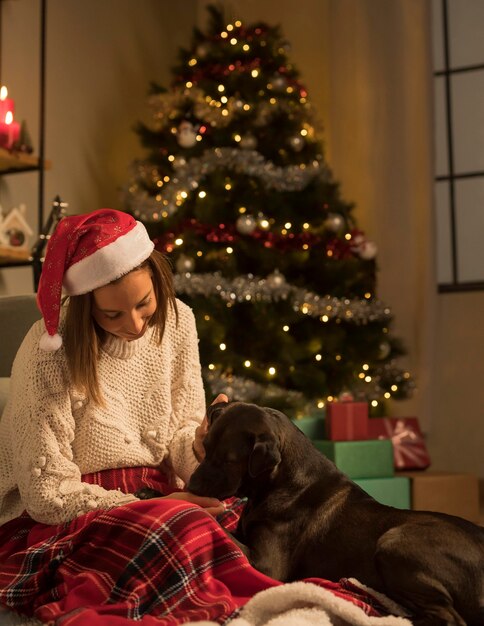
(187, 135)
(246, 224)
(367, 250)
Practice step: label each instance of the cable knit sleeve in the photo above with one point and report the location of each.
(188, 397)
(41, 434)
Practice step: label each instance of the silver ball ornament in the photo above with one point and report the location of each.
(179, 162)
(297, 143)
(334, 222)
(248, 142)
(246, 224)
(276, 279)
(279, 83)
(384, 350)
(185, 263)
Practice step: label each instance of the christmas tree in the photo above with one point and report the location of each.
(236, 192)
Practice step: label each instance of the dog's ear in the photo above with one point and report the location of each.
(265, 456)
(214, 411)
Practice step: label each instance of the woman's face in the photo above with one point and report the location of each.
(125, 307)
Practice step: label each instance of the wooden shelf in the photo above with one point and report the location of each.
(12, 162)
(11, 254)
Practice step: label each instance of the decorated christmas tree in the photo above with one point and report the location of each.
(235, 190)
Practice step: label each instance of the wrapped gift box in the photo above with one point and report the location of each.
(347, 421)
(409, 449)
(394, 491)
(444, 492)
(360, 459)
(312, 427)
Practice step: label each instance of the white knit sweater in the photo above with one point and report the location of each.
(50, 434)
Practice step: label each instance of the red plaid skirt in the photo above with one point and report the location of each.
(160, 562)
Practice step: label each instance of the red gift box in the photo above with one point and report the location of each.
(409, 449)
(347, 421)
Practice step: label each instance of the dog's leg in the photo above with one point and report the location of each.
(413, 581)
(430, 601)
(240, 545)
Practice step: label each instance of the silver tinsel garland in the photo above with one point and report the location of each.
(274, 288)
(189, 175)
(168, 107)
(246, 390)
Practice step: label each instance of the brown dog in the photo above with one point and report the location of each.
(304, 518)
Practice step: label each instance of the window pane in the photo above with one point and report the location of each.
(466, 25)
(441, 149)
(444, 247)
(468, 121)
(469, 197)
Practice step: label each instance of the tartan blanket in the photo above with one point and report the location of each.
(159, 562)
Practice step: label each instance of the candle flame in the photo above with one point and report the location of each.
(3, 92)
(8, 117)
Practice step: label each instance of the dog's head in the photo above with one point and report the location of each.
(243, 445)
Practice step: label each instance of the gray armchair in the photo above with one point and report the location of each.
(17, 314)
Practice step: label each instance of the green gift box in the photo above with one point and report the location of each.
(394, 491)
(312, 427)
(372, 458)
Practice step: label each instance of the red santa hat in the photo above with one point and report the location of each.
(86, 252)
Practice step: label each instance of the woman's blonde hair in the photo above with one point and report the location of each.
(83, 337)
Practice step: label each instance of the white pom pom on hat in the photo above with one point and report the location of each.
(86, 252)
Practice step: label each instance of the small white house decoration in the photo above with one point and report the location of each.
(15, 233)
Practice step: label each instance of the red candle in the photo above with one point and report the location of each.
(6, 105)
(9, 132)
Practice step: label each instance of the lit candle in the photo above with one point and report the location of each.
(6, 104)
(9, 132)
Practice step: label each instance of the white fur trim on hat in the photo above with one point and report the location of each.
(109, 263)
(50, 343)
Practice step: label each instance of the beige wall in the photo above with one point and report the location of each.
(376, 126)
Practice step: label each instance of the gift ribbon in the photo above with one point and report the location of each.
(406, 443)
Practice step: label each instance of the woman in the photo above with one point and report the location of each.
(106, 400)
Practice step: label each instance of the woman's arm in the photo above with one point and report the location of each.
(188, 397)
(42, 430)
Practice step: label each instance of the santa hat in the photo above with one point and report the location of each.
(86, 252)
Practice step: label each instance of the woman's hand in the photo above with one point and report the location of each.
(202, 430)
(210, 505)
